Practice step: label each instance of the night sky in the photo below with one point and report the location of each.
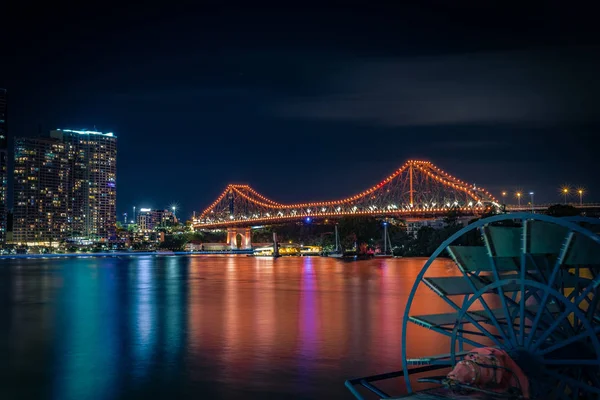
(309, 103)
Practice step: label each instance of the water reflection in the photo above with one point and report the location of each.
(174, 317)
(143, 313)
(309, 316)
(189, 327)
(86, 338)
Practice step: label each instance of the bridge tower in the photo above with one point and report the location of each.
(246, 238)
(411, 184)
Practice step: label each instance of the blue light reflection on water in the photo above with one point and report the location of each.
(86, 338)
(144, 327)
(174, 309)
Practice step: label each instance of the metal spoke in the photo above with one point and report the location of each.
(550, 283)
(551, 319)
(573, 383)
(523, 268)
(467, 316)
(570, 340)
(449, 334)
(571, 362)
(486, 241)
(593, 307)
(481, 299)
(564, 315)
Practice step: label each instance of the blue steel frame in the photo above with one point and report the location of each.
(513, 341)
(524, 217)
(589, 331)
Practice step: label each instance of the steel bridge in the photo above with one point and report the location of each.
(417, 189)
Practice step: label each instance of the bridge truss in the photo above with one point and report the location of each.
(418, 188)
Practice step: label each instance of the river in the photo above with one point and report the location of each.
(195, 327)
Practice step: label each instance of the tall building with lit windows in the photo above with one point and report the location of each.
(41, 192)
(93, 163)
(65, 187)
(3, 163)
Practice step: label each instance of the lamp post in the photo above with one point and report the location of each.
(531, 194)
(580, 191)
(519, 198)
(565, 192)
(174, 216)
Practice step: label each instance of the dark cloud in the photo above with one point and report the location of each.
(499, 87)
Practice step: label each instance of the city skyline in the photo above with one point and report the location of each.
(204, 98)
(516, 195)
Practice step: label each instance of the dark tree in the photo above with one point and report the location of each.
(562, 210)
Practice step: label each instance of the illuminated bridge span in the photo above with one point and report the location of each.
(418, 188)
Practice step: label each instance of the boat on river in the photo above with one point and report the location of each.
(337, 252)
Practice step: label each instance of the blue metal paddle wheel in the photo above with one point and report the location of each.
(521, 314)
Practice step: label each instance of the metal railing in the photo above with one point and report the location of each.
(525, 207)
(367, 382)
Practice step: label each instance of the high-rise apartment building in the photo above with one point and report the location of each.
(93, 162)
(65, 187)
(41, 191)
(3, 163)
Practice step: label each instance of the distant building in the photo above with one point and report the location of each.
(3, 163)
(148, 219)
(65, 188)
(412, 227)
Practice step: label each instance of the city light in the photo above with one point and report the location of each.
(580, 191)
(565, 190)
(531, 194)
(518, 194)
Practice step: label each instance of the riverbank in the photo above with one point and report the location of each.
(122, 254)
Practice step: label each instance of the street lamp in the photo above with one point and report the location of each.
(519, 198)
(504, 197)
(565, 192)
(531, 194)
(580, 191)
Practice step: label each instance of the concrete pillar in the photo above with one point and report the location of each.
(231, 238)
(248, 238)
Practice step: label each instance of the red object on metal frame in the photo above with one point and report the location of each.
(491, 369)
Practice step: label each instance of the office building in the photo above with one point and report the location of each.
(3, 163)
(65, 188)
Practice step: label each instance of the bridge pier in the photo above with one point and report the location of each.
(246, 238)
